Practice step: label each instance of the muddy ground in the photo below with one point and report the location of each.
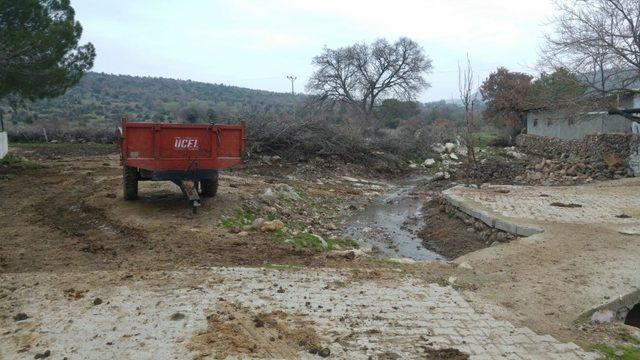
(62, 212)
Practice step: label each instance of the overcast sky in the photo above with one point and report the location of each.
(257, 43)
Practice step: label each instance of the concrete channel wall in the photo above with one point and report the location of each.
(492, 220)
(4, 144)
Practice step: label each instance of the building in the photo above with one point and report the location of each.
(568, 125)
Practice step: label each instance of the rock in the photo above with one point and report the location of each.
(429, 162)
(350, 179)
(43, 355)
(437, 147)
(97, 301)
(438, 176)
(413, 166)
(243, 233)
(177, 316)
(454, 156)
(465, 266)
(271, 225)
(452, 280)
(20, 317)
(257, 322)
(572, 171)
(268, 192)
(324, 352)
(449, 147)
(602, 316)
(257, 223)
(287, 192)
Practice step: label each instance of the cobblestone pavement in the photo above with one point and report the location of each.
(597, 203)
(355, 316)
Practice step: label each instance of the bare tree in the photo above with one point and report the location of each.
(597, 39)
(467, 97)
(363, 74)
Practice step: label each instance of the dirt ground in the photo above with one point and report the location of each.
(69, 215)
(68, 236)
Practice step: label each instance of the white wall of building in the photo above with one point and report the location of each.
(4, 144)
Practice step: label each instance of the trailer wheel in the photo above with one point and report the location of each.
(209, 187)
(130, 182)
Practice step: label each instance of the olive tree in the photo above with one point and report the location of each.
(361, 75)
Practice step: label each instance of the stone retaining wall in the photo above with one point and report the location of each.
(594, 147)
(625, 147)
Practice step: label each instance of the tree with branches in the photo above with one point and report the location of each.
(599, 40)
(506, 95)
(39, 52)
(362, 75)
(467, 90)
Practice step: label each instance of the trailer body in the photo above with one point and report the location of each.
(180, 153)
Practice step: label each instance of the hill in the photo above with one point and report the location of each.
(100, 100)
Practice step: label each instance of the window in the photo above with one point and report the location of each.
(535, 122)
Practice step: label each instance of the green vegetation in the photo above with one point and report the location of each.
(100, 100)
(239, 220)
(483, 139)
(40, 56)
(307, 240)
(291, 234)
(15, 162)
(619, 352)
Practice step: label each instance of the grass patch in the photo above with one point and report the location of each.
(307, 240)
(239, 220)
(482, 139)
(13, 161)
(611, 353)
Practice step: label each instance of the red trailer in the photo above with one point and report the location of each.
(189, 155)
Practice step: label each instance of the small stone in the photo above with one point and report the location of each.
(43, 355)
(177, 316)
(97, 301)
(257, 223)
(465, 266)
(271, 225)
(429, 162)
(258, 322)
(20, 317)
(324, 352)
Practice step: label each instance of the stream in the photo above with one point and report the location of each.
(391, 223)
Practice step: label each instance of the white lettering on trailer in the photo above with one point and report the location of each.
(185, 143)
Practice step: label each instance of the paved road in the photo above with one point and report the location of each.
(354, 315)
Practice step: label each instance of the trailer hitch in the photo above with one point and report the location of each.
(190, 190)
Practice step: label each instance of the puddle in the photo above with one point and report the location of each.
(391, 223)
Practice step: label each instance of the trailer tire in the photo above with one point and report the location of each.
(209, 187)
(130, 182)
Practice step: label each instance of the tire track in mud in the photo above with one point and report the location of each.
(69, 212)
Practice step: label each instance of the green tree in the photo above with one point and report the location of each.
(559, 89)
(391, 111)
(39, 52)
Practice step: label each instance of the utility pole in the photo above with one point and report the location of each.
(292, 78)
